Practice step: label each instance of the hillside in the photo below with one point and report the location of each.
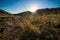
(44, 24)
(4, 13)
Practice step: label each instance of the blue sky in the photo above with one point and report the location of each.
(16, 6)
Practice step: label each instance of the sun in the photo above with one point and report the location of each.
(33, 8)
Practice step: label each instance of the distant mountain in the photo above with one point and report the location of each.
(44, 24)
(27, 13)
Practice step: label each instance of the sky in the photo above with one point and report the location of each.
(17, 6)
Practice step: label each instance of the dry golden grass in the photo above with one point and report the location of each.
(30, 27)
